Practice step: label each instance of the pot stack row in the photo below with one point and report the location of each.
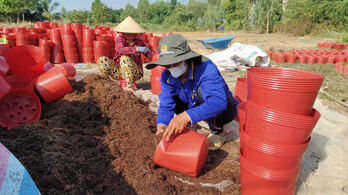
(332, 45)
(276, 120)
(25, 75)
(72, 43)
(310, 56)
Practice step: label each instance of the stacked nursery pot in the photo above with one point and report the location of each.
(87, 50)
(57, 50)
(155, 78)
(100, 48)
(77, 28)
(275, 130)
(69, 43)
(46, 48)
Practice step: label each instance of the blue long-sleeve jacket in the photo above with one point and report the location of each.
(214, 91)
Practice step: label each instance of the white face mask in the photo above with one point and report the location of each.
(177, 71)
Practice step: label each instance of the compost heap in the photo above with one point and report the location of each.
(100, 139)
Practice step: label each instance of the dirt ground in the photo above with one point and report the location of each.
(100, 140)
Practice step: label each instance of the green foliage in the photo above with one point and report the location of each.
(129, 11)
(159, 11)
(331, 14)
(345, 38)
(214, 16)
(48, 7)
(143, 11)
(78, 16)
(100, 12)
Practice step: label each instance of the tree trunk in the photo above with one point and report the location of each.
(18, 17)
(22, 16)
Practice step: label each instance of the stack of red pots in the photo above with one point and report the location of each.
(310, 56)
(18, 76)
(275, 130)
(77, 28)
(57, 52)
(69, 43)
(45, 46)
(100, 48)
(87, 50)
(155, 79)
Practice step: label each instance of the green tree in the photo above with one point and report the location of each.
(78, 16)
(129, 11)
(143, 11)
(16, 7)
(213, 17)
(49, 6)
(159, 11)
(100, 12)
(264, 14)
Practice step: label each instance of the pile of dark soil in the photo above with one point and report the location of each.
(100, 140)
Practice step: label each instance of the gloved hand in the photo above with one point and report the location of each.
(143, 50)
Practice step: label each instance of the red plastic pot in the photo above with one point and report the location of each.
(271, 87)
(185, 153)
(157, 71)
(341, 58)
(4, 68)
(48, 66)
(19, 106)
(52, 85)
(67, 69)
(321, 60)
(20, 82)
(279, 127)
(331, 59)
(291, 58)
(256, 179)
(241, 114)
(154, 43)
(240, 91)
(279, 58)
(155, 84)
(272, 156)
(270, 54)
(30, 63)
(311, 59)
(5, 87)
(302, 59)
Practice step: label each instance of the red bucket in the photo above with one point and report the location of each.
(240, 91)
(19, 106)
(241, 114)
(26, 61)
(272, 156)
(157, 71)
(279, 127)
(155, 84)
(67, 69)
(285, 90)
(52, 85)
(259, 180)
(185, 153)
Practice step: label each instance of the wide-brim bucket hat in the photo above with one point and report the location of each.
(128, 25)
(173, 49)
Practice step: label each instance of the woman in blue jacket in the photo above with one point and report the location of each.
(193, 89)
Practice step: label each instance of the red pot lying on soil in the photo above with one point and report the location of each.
(185, 153)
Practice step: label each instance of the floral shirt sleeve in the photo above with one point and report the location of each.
(122, 50)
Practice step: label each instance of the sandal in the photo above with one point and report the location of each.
(216, 141)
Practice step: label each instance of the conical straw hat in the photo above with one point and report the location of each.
(128, 25)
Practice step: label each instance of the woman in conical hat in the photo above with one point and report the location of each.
(126, 64)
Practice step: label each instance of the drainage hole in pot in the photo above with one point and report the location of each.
(27, 105)
(19, 113)
(8, 105)
(24, 118)
(20, 107)
(34, 110)
(11, 115)
(15, 103)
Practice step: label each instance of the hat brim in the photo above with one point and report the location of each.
(163, 61)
